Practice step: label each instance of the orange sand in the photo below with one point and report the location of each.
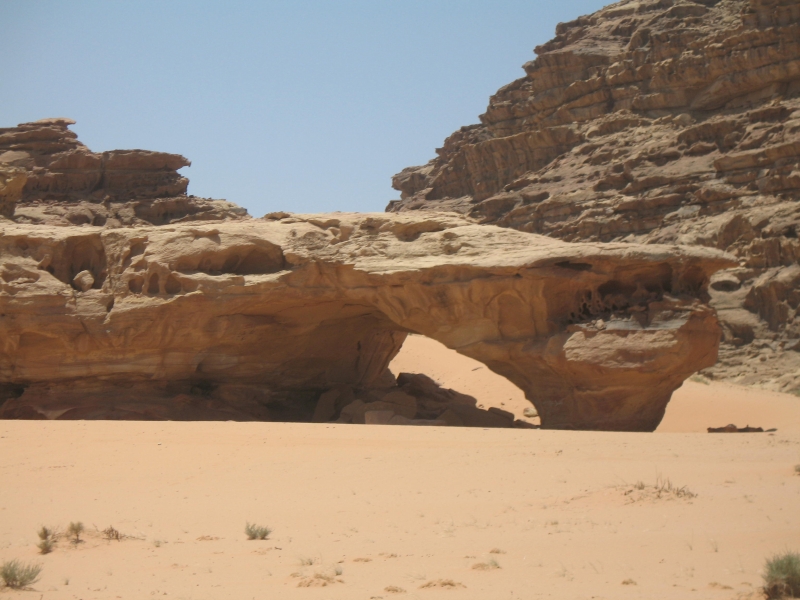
(404, 506)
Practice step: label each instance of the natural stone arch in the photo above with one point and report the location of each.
(598, 336)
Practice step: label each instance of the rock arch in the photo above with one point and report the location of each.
(261, 318)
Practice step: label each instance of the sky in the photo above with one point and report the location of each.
(302, 106)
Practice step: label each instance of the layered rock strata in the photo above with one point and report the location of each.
(668, 121)
(297, 318)
(64, 183)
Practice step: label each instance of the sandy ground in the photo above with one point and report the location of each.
(542, 514)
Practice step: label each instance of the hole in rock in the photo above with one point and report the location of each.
(465, 375)
(80, 254)
(260, 259)
(135, 285)
(574, 266)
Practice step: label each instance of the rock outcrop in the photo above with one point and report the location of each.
(64, 183)
(296, 318)
(654, 121)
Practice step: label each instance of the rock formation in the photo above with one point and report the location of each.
(282, 317)
(64, 183)
(122, 297)
(654, 121)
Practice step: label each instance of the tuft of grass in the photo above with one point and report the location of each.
(489, 565)
(112, 534)
(17, 575)
(256, 532)
(45, 546)
(782, 576)
(75, 530)
(45, 534)
(442, 583)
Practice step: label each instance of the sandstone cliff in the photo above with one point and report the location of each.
(52, 178)
(668, 121)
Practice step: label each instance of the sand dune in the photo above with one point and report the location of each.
(370, 511)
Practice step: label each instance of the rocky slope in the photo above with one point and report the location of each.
(297, 317)
(48, 177)
(668, 121)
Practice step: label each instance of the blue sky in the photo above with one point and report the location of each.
(300, 106)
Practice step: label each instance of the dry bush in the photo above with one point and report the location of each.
(75, 530)
(442, 583)
(256, 532)
(489, 565)
(17, 575)
(393, 589)
(48, 538)
(112, 534)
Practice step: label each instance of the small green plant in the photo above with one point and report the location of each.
(782, 576)
(17, 575)
(256, 532)
(75, 530)
(45, 546)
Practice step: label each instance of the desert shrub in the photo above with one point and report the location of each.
(256, 532)
(48, 538)
(489, 565)
(112, 534)
(75, 530)
(17, 575)
(782, 576)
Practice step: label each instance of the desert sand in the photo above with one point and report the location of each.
(469, 513)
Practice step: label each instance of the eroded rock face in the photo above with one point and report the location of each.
(67, 184)
(285, 317)
(665, 121)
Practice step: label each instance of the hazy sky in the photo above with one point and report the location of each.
(300, 106)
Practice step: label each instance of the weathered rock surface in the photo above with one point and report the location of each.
(66, 184)
(654, 121)
(296, 317)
